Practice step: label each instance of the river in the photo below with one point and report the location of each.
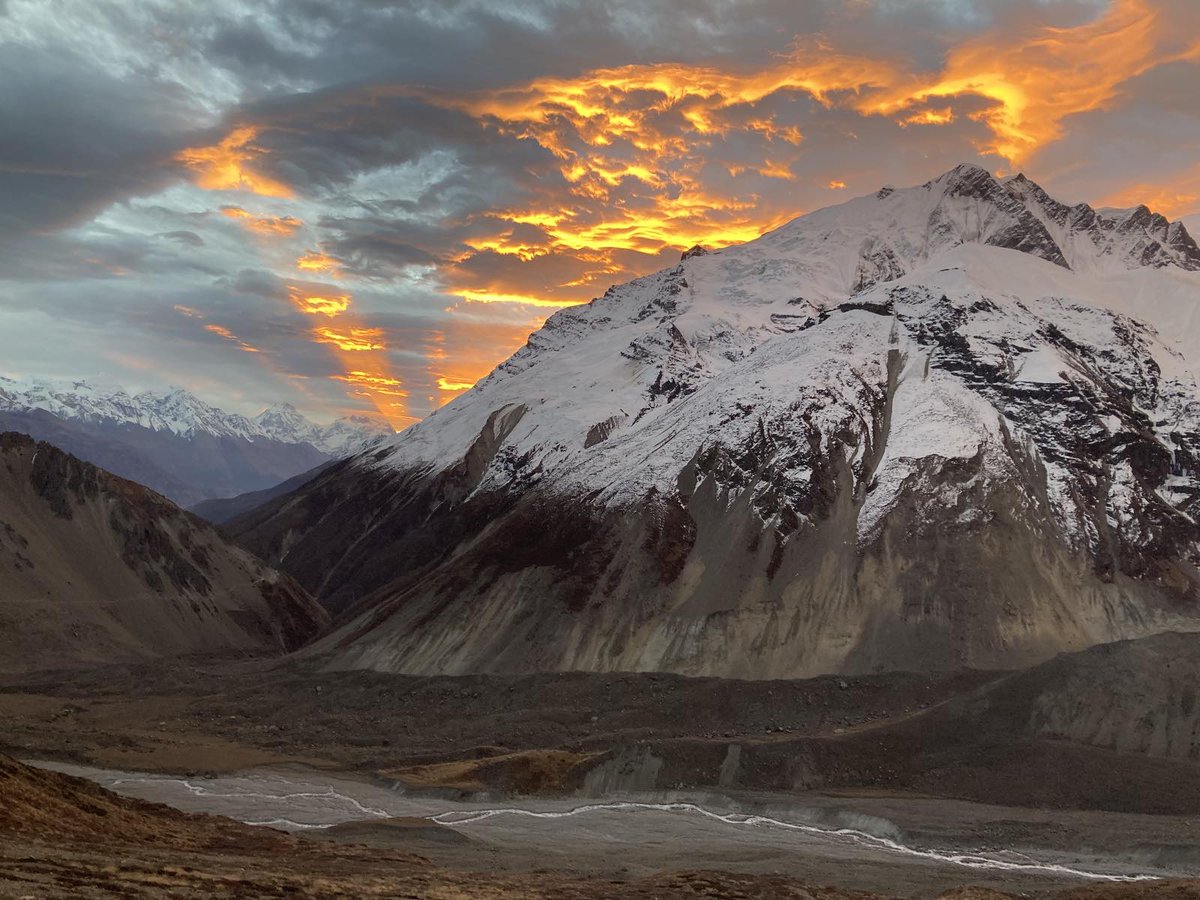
(641, 833)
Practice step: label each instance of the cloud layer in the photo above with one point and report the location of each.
(367, 205)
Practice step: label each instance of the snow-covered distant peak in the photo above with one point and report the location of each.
(184, 413)
(181, 412)
(353, 434)
(341, 437)
(280, 411)
(284, 422)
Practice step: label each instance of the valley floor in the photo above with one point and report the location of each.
(896, 756)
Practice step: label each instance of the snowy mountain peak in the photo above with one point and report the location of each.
(283, 419)
(354, 433)
(880, 237)
(966, 178)
(1109, 239)
(665, 336)
(282, 409)
(955, 424)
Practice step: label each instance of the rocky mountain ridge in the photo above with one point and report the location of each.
(95, 569)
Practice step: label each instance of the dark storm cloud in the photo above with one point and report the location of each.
(378, 256)
(464, 45)
(183, 237)
(70, 256)
(75, 140)
(320, 141)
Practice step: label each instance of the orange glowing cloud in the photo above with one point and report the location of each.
(233, 164)
(315, 302)
(381, 384)
(314, 261)
(610, 104)
(383, 391)
(280, 226)
(776, 170)
(230, 336)
(468, 346)
(1179, 197)
(650, 127)
(228, 165)
(360, 349)
(1041, 77)
(355, 340)
(943, 116)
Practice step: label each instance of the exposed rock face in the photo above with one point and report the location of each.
(96, 569)
(947, 425)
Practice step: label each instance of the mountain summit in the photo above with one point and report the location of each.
(948, 425)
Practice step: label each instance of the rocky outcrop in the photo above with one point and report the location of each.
(96, 569)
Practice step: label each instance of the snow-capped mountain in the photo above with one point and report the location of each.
(340, 438)
(183, 413)
(954, 424)
(175, 442)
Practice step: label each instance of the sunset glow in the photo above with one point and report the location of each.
(389, 225)
(231, 337)
(487, 297)
(354, 339)
(314, 303)
(313, 261)
(266, 225)
(229, 165)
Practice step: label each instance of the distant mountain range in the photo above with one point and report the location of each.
(176, 443)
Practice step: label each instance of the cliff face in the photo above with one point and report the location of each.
(96, 569)
(955, 424)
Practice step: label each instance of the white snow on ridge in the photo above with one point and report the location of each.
(182, 413)
(748, 341)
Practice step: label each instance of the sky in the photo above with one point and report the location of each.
(364, 206)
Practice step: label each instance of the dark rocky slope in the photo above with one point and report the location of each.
(94, 568)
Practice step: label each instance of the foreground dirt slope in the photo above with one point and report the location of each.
(94, 568)
(60, 837)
